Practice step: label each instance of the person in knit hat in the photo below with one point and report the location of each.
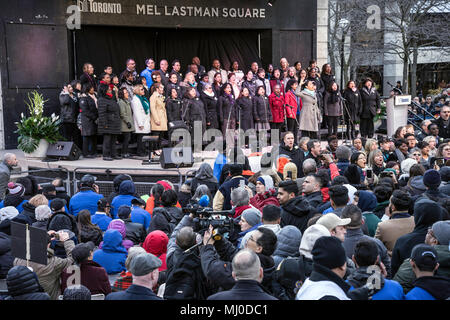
(329, 268)
(432, 181)
(290, 171)
(43, 213)
(76, 292)
(6, 215)
(119, 225)
(14, 196)
(265, 193)
(251, 219)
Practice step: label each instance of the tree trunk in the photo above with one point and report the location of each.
(405, 73)
(414, 71)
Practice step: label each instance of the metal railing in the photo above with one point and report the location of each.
(141, 181)
(47, 176)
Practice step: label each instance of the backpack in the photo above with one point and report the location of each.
(186, 281)
(288, 278)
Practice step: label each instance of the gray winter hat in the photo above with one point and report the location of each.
(441, 231)
(77, 292)
(252, 216)
(143, 264)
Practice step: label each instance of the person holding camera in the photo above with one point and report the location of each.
(49, 275)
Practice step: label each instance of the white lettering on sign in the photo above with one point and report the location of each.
(100, 7)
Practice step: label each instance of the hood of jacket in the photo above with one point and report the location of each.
(360, 276)
(426, 212)
(27, 206)
(367, 201)
(156, 243)
(443, 254)
(438, 287)
(298, 206)
(417, 183)
(119, 225)
(60, 221)
(5, 243)
(118, 180)
(112, 241)
(127, 188)
(175, 213)
(21, 280)
(288, 243)
(205, 173)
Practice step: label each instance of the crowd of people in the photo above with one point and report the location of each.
(368, 220)
(124, 107)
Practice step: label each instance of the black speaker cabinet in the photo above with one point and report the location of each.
(176, 157)
(64, 150)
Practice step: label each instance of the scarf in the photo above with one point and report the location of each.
(229, 97)
(145, 103)
(309, 92)
(333, 97)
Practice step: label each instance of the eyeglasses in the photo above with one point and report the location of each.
(430, 232)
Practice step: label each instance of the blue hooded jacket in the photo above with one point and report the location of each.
(112, 255)
(85, 199)
(367, 201)
(288, 244)
(126, 194)
(139, 215)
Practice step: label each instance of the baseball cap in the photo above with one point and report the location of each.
(138, 201)
(88, 180)
(331, 221)
(57, 204)
(143, 264)
(424, 256)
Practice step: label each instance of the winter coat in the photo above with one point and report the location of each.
(86, 78)
(243, 290)
(62, 220)
(226, 108)
(27, 215)
(126, 114)
(352, 105)
(134, 232)
(389, 289)
(297, 212)
(40, 224)
(108, 116)
(243, 235)
(332, 109)
(49, 275)
(265, 83)
(310, 117)
(323, 284)
(24, 285)
(92, 275)
(119, 225)
(405, 275)
(295, 156)
(141, 216)
(89, 115)
(261, 109)
(210, 103)
(156, 244)
(194, 112)
(288, 244)
(6, 258)
(168, 90)
(370, 102)
(390, 230)
(277, 107)
(430, 288)
(259, 201)
(85, 199)
(161, 220)
(327, 79)
(204, 175)
(314, 198)
(274, 82)
(426, 215)
(5, 174)
(292, 106)
(353, 236)
(126, 194)
(69, 108)
(444, 130)
(173, 108)
(158, 112)
(112, 256)
(222, 197)
(245, 112)
(134, 292)
(251, 86)
(91, 234)
(141, 119)
(175, 213)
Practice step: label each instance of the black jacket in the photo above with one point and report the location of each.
(89, 116)
(91, 234)
(210, 104)
(352, 105)
(135, 232)
(194, 110)
(370, 102)
(161, 220)
(109, 121)
(444, 130)
(24, 285)
(27, 215)
(261, 109)
(245, 112)
(315, 199)
(243, 290)
(251, 86)
(226, 109)
(168, 90)
(212, 186)
(321, 273)
(438, 287)
(297, 212)
(62, 220)
(69, 108)
(6, 258)
(173, 109)
(296, 155)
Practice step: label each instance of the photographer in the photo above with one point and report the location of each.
(216, 257)
(222, 198)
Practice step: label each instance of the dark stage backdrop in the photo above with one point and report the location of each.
(113, 45)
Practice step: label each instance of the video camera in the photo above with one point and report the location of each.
(222, 221)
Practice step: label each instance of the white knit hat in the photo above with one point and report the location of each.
(309, 238)
(8, 213)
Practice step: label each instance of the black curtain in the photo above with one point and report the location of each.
(113, 45)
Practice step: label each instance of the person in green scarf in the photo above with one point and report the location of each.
(141, 116)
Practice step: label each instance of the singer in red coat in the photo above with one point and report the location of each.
(276, 102)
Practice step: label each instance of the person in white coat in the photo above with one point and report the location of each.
(141, 116)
